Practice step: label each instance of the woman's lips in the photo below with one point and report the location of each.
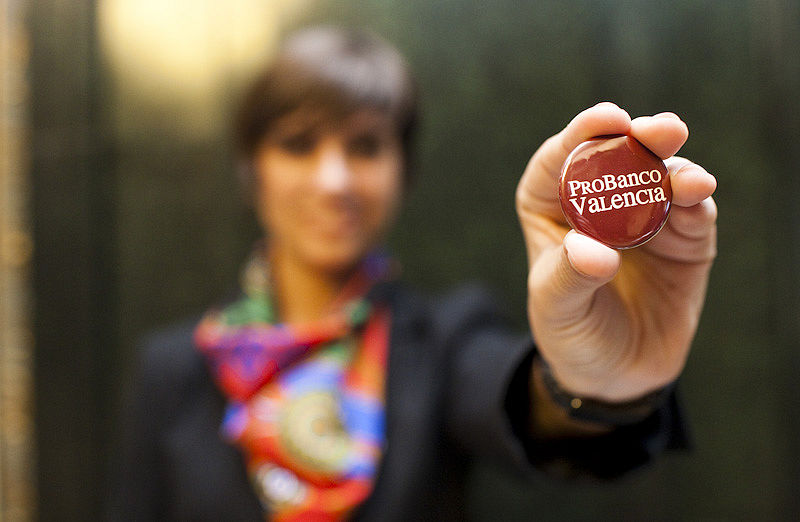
(334, 224)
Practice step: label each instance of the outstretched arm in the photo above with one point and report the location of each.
(613, 326)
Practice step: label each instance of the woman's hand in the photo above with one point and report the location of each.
(616, 325)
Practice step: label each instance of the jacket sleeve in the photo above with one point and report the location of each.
(136, 478)
(489, 403)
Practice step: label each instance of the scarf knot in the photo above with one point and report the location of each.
(305, 401)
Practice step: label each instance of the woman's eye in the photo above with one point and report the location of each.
(298, 144)
(367, 146)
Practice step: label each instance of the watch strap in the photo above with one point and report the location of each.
(598, 411)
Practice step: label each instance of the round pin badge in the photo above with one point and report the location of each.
(615, 190)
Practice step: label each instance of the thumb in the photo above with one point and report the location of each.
(565, 279)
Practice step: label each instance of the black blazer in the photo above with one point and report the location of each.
(456, 391)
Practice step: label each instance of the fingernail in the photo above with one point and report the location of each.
(667, 115)
(607, 104)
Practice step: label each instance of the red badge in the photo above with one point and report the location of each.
(615, 190)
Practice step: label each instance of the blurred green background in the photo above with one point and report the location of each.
(138, 221)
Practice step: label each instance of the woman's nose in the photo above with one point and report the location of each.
(333, 171)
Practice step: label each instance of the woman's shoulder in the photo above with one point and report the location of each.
(168, 355)
(461, 308)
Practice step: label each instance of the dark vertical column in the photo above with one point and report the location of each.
(70, 275)
(777, 43)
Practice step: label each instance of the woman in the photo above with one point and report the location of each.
(327, 390)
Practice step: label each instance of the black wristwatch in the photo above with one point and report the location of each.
(593, 410)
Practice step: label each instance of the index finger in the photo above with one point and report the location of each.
(538, 188)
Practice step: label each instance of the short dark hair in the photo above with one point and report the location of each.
(336, 70)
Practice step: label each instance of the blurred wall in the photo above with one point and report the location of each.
(17, 493)
(138, 222)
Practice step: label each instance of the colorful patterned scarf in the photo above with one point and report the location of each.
(306, 401)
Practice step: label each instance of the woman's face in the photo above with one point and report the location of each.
(327, 191)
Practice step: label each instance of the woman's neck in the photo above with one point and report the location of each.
(302, 292)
